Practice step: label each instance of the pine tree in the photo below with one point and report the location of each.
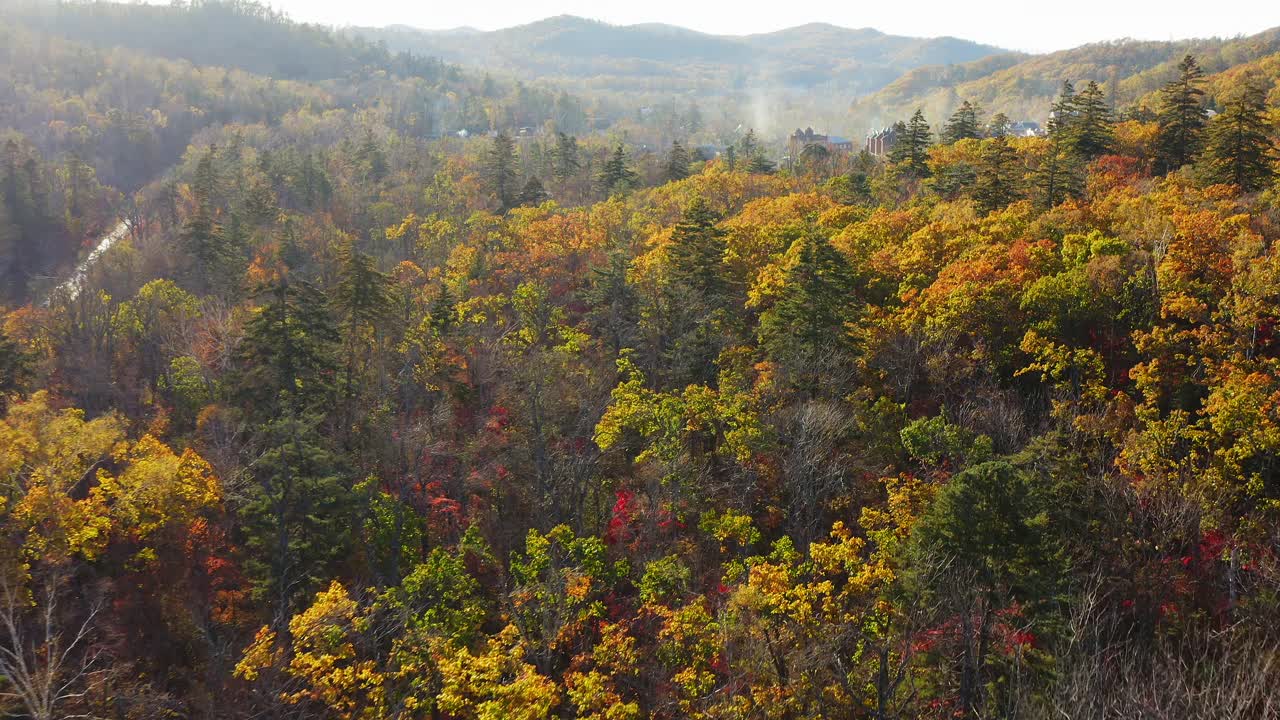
(286, 359)
(565, 163)
(807, 323)
(372, 160)
(1063, 112)
(999, 125)
(677, 166)
(613, 302)
(617, 175)
(14, 366)
(532, 194)
(1058, 175)
(999, 175)
(911, 151)
(1238, 150)
(752, 155)
(697, 296)
(1083, 122)
(1181, 118)
(963, 124)
(202, 237)
(500, 171)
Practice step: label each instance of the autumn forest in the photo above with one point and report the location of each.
(342, 381)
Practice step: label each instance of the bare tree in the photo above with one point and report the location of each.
(46, 664)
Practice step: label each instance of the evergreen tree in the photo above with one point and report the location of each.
(565, 163)
(750, 152)
(697, 296)
(202, 238)
(911, 151)
(286, 359)
(963, 124)
(14, 367)
(999, 125)
(1238, 150)
(999, 175)
(613, 302)
(297, 513)
(1063, 112)
(617, 175)
(1058, 175)
(1181, 117)
(677, 166)
(806, 328)
(532, 194)
(372, 161)
(500, 171)
(1090, 132)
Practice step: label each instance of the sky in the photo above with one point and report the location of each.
(1032, 25)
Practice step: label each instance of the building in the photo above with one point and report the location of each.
(880, 142)
(800, 139)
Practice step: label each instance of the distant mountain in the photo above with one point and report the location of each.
(659, 58)
(1023, 87)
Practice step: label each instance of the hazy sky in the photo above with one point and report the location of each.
(1034, 25)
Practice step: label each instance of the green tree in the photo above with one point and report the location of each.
(1057, 175)
(500, 171)
(1238, 150)
(911, 151)
(999, 179)
(532, 194)
(1083, 121)
(616, 175)
(677, 165)
(1181, 117)
(806, 329)
(565, 163)
(964, 123)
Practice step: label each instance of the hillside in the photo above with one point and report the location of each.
(1023, 87)
(665, 58)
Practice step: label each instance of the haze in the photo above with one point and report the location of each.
(1034, 27)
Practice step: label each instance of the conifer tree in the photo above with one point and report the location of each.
(1181, 117)
(532, 194)
(1238, 150)
(911, 151)
(963, 124)
(677, 165)
(1058, 174)
(999, 175)
(697, 296)
(500, 171)
(617, 175)
(808, 320)
(999, 125)
(1091, 133)
(565, 163)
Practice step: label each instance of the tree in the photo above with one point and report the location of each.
(807, 328)
(616, 175)
(1238, 150)
(677, 165)
(1057, 175)
(963, 124)
(999, 175)
(500, 171)
(532, 194)
(1082, 122)
(999, 125)
(565, 163)
(911, 151)
(697, 295)
(750, 152)
(1181, 117)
